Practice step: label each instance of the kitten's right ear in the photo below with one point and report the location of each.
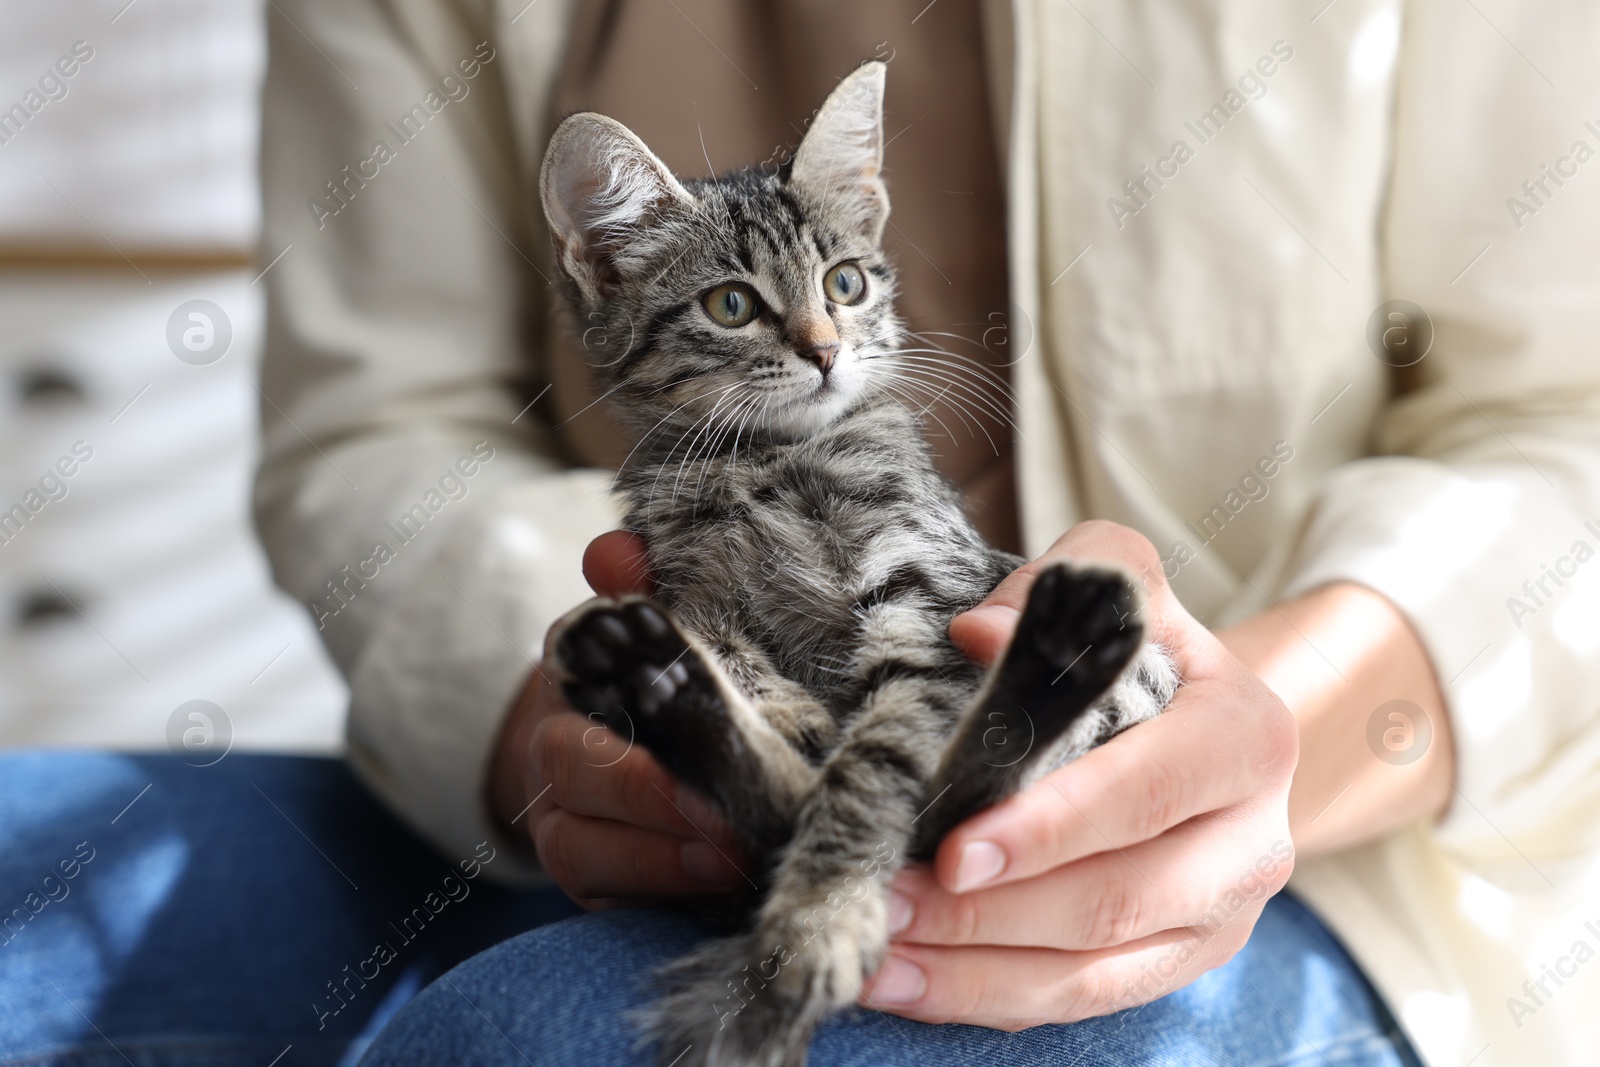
(601, 186)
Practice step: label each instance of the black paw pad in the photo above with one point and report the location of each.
(1081, 625)
(628, 662)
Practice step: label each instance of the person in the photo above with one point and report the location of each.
(1290, 303)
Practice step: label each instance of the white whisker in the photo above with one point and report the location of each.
(921, 391)
(969, 393)
(997, 405)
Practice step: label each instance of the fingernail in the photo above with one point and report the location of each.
(703, 862)
(900, 913)
(699, 812)
(898, 981)
(981, 862)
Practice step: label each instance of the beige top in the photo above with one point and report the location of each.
(1206, 202)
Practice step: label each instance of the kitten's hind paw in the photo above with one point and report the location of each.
(628, 665)
(1080, 628)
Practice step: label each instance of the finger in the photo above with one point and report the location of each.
(1203, 873)
(1014, 988)
(598, 858)
(616, 564)
(1221, 742)
(582, 767)
(984, 632)
(510, 773)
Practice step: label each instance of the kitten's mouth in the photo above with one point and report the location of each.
(825, 391)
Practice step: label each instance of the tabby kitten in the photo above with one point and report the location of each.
(795, 665)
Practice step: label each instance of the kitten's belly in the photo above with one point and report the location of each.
(799, 613)
(808, 617)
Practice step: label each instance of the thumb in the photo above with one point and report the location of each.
(983, 633)
(616, 564)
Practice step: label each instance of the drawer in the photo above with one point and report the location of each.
(134, 583)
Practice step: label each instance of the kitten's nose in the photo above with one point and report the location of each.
(822, 355)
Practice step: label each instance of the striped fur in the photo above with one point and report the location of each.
(794, 664)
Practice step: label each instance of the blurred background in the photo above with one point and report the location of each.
(130, 327)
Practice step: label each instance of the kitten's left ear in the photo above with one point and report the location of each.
(602, 191)
(841, 157)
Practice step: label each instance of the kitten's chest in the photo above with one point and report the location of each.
(802, 532)
(777, 546)
(791, 548)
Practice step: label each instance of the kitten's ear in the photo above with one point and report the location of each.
(601, 187)
(841, 157)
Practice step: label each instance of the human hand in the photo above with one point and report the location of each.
(1120, 877)
(611, 826)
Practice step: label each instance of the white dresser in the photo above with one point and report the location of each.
(133, 584)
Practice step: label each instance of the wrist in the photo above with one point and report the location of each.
(1341, 657)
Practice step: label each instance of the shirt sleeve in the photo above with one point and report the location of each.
(408, 492)
(1480, 515)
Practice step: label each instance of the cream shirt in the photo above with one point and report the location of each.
(1186, 313)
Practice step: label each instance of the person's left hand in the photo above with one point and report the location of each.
(1120, 877)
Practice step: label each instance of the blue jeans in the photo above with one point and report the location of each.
(265, 911)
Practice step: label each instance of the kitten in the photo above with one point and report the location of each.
(795, 665)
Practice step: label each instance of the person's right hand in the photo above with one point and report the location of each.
(610, 825)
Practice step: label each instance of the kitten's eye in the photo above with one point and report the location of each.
(845, 284)
(731, 305)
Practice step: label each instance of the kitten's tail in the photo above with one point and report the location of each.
(730, 1003)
